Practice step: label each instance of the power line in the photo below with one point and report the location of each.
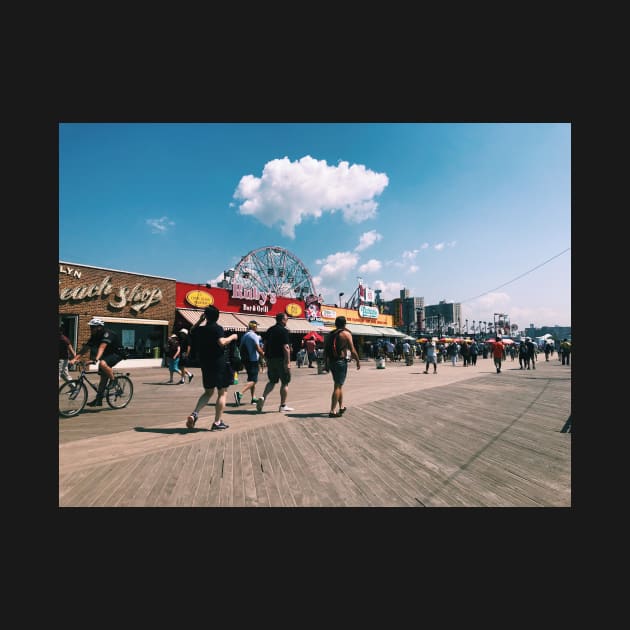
(515, 279)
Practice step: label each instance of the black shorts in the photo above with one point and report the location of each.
(252, 368)
(217, 375)
(111, 360)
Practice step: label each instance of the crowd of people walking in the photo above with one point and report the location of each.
(221, 356)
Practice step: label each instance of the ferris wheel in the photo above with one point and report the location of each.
(274, 269)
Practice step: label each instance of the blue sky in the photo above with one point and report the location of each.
(477, 213)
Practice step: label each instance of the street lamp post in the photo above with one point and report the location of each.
(340, 296)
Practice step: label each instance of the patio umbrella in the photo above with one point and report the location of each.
(315, 336)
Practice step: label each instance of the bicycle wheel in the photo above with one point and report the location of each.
(120, 392)
(72, 398)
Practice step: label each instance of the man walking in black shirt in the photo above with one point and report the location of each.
(278, 355)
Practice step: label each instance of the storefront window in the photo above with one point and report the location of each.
(141, 340)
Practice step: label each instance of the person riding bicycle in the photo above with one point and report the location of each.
(103, 345)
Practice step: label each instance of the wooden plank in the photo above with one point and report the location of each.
(278, 488)
(166, 477)
(204, 472)
(226, 492)
(215, 479)
(134, 483)
(262, 495)
(116, 483)
(186, 486)
(250, 498)
(148, 475)
(84, 491)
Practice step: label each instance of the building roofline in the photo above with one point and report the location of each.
(135, 273)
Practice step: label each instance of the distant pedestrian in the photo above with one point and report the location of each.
(173, 351)
(208, 342)
(452, 351)
(309, 345)
(184, 355)
(474, 351)
(430, 356)
(523, 356)
(465, 350)
(406, 350)
(338, 344)
(498, 353)
(531, 352)
(66, 352)
(565, 351)
(251, 351)
(278, 358)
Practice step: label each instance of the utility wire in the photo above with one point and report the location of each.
(517, 277)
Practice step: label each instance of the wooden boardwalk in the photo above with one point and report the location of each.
(465, 437)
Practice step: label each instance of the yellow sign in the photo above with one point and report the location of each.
(199, 299)
(293, 309)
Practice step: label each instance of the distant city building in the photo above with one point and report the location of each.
(443, 316)
(412, 313)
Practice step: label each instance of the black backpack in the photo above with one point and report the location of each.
(235, 357)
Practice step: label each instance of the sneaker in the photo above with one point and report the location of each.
(260, 401)
(220, 426)
(190, 377)
(181, 382)
(192, 418)
(285, 408)
(95, 403)
(254, 401)
(237, 398)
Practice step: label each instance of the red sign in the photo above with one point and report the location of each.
(225, 301)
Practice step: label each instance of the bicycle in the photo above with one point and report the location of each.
(73, 394)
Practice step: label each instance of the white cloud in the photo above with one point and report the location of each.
(215, 281)
(390, 290)
(336, 266)
(439, 247)
(370, 266)
(289, 192)
(413, 268)
(159, 226)
(368, 239)
(410, 255)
